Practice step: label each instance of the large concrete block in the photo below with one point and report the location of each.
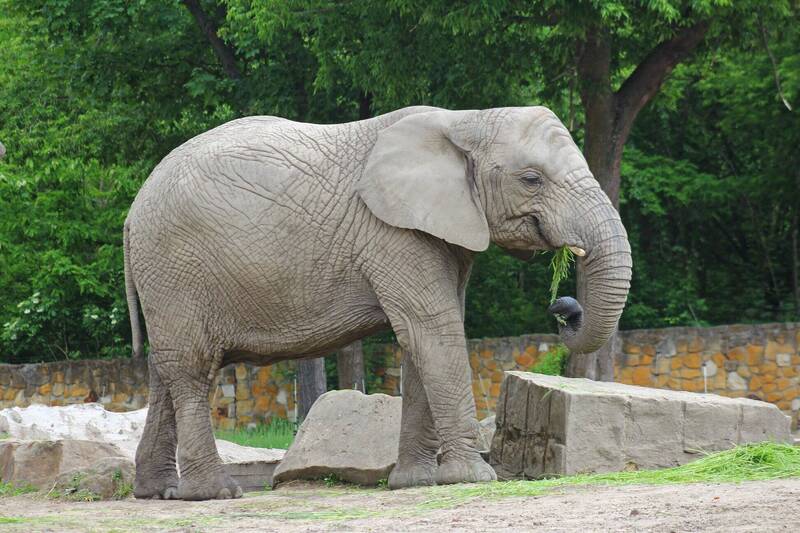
(551, 425)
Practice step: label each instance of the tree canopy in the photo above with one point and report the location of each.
(684, 108)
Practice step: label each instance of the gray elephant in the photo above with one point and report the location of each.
(264, 240)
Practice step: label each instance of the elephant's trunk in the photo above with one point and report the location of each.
(606, 279)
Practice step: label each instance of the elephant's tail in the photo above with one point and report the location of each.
(130, 292)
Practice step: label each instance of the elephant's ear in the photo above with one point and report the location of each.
(417, 178)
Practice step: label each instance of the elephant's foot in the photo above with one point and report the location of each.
(155, 487)
(464, 471)
(412, 476)
(218, 486)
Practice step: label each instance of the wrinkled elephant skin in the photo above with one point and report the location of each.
(264, 240)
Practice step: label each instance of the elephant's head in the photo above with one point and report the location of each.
(512, 176)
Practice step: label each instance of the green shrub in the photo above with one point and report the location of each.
(553, 362)
(279, 433)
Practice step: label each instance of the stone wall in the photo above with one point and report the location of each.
(759, 360)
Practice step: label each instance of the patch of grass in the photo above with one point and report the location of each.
(751, 462)
(554, 362)
(4, 436)
(560, 265)
(331, 480)
(11, 520)
(279, 433)
(10, 489)
(123, 489)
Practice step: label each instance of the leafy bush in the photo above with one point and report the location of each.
(553, 362)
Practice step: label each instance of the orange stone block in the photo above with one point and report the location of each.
(783, 383)
(532, 350)
(262, 404)
(676, 363)
(769, 387)
(768, 378)
(491, 364)
(718, 359)
(646, 360)
(78, 391)
(661, 381)
(497, 377)
(524, 360)
(769, 368)
(264, 373)
(756, 383)
(743, 371)
(675, 383)
(631, 349)
(494, 391)
(690, 373)
(737, 354)
(627, 375)
(693, 385)
(773, 397)
(755, 354)
(792, 393)
(695, 345)
(788, 372)
(693, 360)
(44, 390)
(487, 354)
(642, 376)
(649, 349)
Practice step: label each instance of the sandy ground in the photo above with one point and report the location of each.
(752, 506)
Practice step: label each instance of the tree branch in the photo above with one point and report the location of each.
(645, 81)
(224, 52)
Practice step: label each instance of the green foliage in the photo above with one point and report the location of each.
(331, 480)
(94, 94)
(560, 264)
(553, 362)
(9, 489)
(278, 433)
(122, 489)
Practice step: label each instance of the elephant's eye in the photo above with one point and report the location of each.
(531, 176)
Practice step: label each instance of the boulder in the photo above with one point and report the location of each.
(349, 434)
(551, 425)
(251, 467)
(109, 478)
(39, 463)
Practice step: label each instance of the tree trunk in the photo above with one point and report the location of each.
(224, 52)
(350, 363)
(609, 119)
(310, 384)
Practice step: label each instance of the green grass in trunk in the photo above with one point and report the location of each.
(279, 433)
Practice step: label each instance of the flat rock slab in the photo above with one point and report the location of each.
(40, 462)
(551, 425)
(346, 433)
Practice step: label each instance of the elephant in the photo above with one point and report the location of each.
(265, 239)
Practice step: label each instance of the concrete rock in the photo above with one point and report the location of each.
(551, 425)
(107, 478)
(346, 433)
(39, 463)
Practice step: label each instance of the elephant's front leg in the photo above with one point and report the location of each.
(419, 441)
(439, 353)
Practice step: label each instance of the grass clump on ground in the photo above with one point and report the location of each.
(9, 489)
(279, 433)
(750, 462)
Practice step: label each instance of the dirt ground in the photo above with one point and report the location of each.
(752, 506)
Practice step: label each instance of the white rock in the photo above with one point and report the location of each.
(783, 359)
(736, 382)
(711, 368)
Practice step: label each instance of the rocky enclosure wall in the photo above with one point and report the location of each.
(760, 361)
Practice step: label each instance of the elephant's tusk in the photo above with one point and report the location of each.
(580, 252)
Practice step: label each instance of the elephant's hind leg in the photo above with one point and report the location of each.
(156, 474)
(203, 476)
(419, 442)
